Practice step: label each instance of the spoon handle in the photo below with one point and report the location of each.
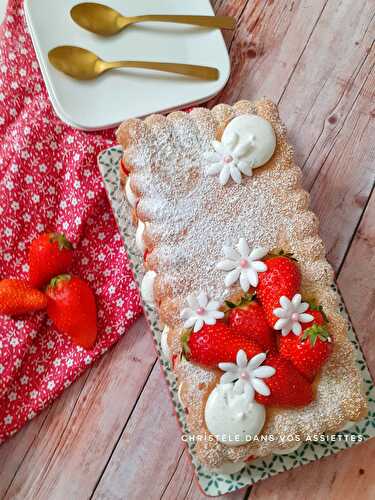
(203, 72)
(224, 22)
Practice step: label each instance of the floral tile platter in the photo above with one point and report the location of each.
(212, 483)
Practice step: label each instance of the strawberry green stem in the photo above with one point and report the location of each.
(61, 240)
(244, 300)
(185, 341)
(59, 279)
(316, 332)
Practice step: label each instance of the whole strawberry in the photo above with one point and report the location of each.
(71, 306)
(248, 318)
(50, 254)
(288, 387)
(282, 277)
(214, 344)
(309, 351)
(18, 297)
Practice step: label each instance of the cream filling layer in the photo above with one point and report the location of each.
(179, 391)
(139, 239)
(130, 196)
(147, 287)
(230, 467)
(286, 451)
(164, 342)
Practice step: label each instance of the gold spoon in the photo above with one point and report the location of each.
(106, 21)
(85, 65)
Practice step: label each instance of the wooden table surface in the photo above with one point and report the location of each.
(112, 435)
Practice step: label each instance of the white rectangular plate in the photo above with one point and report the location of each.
(122, 94)
(212, 483)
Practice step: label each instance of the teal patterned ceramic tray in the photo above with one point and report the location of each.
(214, 484)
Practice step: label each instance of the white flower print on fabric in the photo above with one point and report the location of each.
(38, 159)
(242, 264)
(247, 375)
(291, 314)
(228, 159)
(201, 311)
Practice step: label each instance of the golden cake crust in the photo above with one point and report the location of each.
(191, 216)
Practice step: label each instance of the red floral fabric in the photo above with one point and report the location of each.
(49, 180)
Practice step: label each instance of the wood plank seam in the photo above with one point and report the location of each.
(217, 99)
(372, 193)
(337, 133)
(27, 451)
(302, 52)
(64, 429)
(173, 473)
(239, 22)
(86, 375)
(123, 429)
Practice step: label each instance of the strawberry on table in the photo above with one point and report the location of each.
(310, 350)
(71, 306)
(18, 297)
(287, 386)
(50, 254)
(248, 318)
(218, 343)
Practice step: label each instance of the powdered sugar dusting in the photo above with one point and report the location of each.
(191, 216)
(178, 191)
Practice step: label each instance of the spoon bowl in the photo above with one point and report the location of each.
(75, 62)
(98, 18)
(105, 21)
(82, 64)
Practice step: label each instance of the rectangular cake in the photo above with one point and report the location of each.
(237, 272)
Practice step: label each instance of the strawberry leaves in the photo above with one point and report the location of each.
(315, 307)
(316, 332)
(244, 300)
(59, 279)
(61, 241)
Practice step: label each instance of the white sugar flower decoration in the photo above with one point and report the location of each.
(229, 158)
(291, 314)
(247, 375)
(200, 311)
(243, 264)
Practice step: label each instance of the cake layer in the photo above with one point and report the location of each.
(189, 216)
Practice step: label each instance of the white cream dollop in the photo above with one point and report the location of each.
(130, 196)
(248, 142)
(234, 419)
(147, 287)
(262, 135)
(164, 342)
(139, 240)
